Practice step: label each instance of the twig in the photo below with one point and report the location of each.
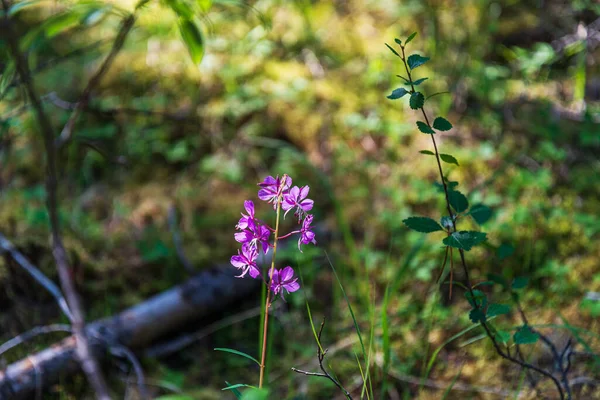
(177, 240)
(321, 356)
(7, 246)
(558, 358)
(55, 61)
(38, 330)
(122, 351)
(67, 132)
(86, 358)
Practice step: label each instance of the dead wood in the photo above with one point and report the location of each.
(208, 292)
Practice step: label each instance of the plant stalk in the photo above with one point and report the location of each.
(268, 302)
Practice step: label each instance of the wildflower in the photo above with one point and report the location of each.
(297, 198)
(246, 219)
(246, 261)
(284, 279)
(306, 235)
(269, 191)
(254, 235)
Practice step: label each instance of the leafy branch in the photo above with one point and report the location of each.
(456, 206)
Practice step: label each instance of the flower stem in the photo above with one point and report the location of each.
(268, 302)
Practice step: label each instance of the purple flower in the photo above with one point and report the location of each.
(269, 189)
(306, 235)
(284, 279)
(246, 219)
(254, 235)
(297, 198)
(246, 261)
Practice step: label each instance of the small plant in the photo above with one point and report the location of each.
(254, 236)
(461, 241)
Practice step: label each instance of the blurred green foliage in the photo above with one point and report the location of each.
(206, 98)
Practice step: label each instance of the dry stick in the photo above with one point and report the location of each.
(38, 330)
(172, 218)
(122, 351)
(462, 253)
(7, 246)
(67, 132)
(321, 356)
(86, 358)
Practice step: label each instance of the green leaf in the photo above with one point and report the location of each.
(416, 100)
(236, 386)
(458, 201)
(235, 391)
(476, 315)
(423, 127)
(429, 153)
(397, 94)
(193, 38)
(442, 124)
(502, 336)
(410, 38)
(448, 158)
(204, 5)
(236, 352)
(398, 41)
(519, 282)
(499, 279)
(446, 222)
(422, 224)
(497, 309)
(525, 335)
(255, 394)
(480, 298)
(480, 213)
(417, 82)
(416, 60)
(60, 23)
(464, 240)
(392, 50)
(174, 397)
(505, 250)
(7, 76)
(15, 8)
(181, 8)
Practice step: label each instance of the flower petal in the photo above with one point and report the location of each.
(304, 192)
(238, 261)
(292, 286)
(286, 274)
(253, 271)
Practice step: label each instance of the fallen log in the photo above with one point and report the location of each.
(208, 292)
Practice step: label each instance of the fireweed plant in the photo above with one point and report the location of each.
(461, 241)
(254, 235)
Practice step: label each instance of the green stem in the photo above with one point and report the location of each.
(268, 302)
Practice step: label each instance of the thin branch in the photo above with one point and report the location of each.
(558, 358)
(462, 253)
(325, 374)
(177, 240)
(38, 330)
(67, 132)
(60, 59)
(7, 246)
(122, 351)
(86, 358)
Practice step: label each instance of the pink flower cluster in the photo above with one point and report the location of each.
(254, 234)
